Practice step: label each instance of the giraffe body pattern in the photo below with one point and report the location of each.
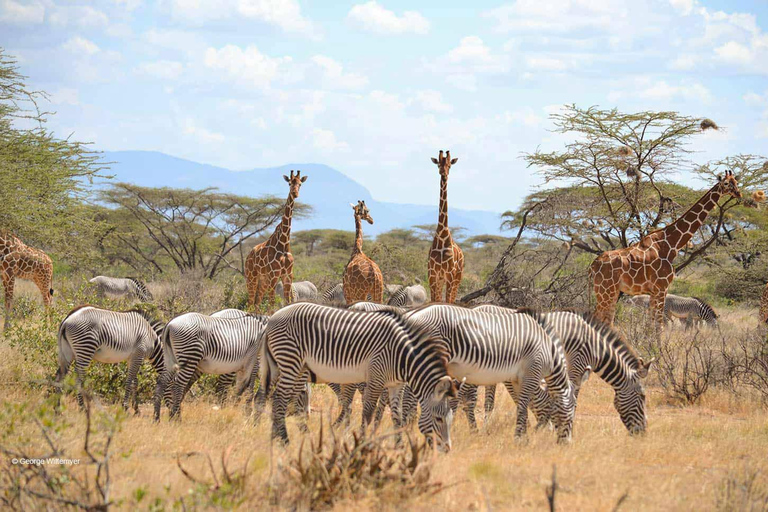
(446, 261)
(646, 267)
(362, 277)
(18, 260)
(271, 261)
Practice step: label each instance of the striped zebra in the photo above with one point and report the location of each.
(334, 296)
(688, 309)
(336, 345)
(518, 349)
(300, 291)
(90, 334)
(195, 343)
(591, 345)
(121, 287)
(408, 296)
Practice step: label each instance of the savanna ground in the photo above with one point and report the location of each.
(701, 452)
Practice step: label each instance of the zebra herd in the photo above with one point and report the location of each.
(429, 358)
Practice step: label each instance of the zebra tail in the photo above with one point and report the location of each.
(268, 367)
(171, 364)
(66, 354)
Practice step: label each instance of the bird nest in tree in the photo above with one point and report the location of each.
(708, 124)
(624, 151)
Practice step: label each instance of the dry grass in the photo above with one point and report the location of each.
(708, 456)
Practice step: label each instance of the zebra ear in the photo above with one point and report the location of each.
(444, 386)
(642, 372)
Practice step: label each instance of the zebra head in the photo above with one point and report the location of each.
(630, 400)
(436, 414)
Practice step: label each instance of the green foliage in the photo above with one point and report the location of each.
(42, 179)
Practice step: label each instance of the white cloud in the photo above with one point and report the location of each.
(333, 75)
(755, 100)
(83, 16)
(557, 15)
(325, 140)
(527, 117)
(734, 53)
(432, 101)
(65, 96)
(285, 14)
(248, 66)
(470, 49)
(659, 91)
(684, 7)
(80, 45)
(163, 69)
(373, 17)
(463, 81)
(21, 12)
(129, 5)
(684, 62)
(546, 64)
(200, 134)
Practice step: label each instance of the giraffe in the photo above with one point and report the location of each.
(17, 260)
(362, 276)
(763, 313)
(446, 261)
(646, 266)
(271, 261)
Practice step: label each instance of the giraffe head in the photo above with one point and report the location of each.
(728, 185)
(295, 182)
(444, 162)
(361, 211)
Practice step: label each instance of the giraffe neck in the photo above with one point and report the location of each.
(680, 232)
(282, 235)
(358, 236)
(442, 220)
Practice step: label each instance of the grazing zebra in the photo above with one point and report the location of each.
(336, 345)
(90, 334)
(517, 349)
(408, 296)
(121, 287)
(334, 296)
(195, 343)
(300, 291)
(591, 345)
(688, 309)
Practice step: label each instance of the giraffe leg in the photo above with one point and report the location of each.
(8, 284)
(378, 290)
(656, 305)
(271, 284)
(261, 291)
(606, 304)
(435, 288)
(287, 287)
(252, 283)
(458, 272)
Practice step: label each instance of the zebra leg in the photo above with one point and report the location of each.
(384, 402)
(161, 389)
(223, 383)
(345, 394)
(490, 400)
(410, 406)
(286, 385)
(181, 385)
(527, 389)
(468, 399)
(394, 395)
(132, 381)
(80, 366)
(373, 389)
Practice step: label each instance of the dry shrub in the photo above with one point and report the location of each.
(224, 488)
(746, 363)
(331, 469)
(187, 292)
(748, 491)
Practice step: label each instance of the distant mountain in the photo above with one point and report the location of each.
(328, 191)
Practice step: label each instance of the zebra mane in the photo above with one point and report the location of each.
(613, 337)
(78, 308)
(706, 305)
(536, 314)
(401, 292)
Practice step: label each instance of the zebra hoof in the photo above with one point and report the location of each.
(521, 439)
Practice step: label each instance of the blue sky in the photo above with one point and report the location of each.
(376, 88)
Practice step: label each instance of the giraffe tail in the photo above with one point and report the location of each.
(51, 292)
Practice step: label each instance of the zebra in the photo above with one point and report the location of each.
(121, 287)
(346, 347)
(194, 343)
(89, 333)
(300, 291)
(592, 346)
(518, 349)
(334, 295)
(408, 296)
(688, 309)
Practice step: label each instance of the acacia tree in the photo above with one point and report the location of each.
(615, 183)
(43, 179)
(193, 229)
